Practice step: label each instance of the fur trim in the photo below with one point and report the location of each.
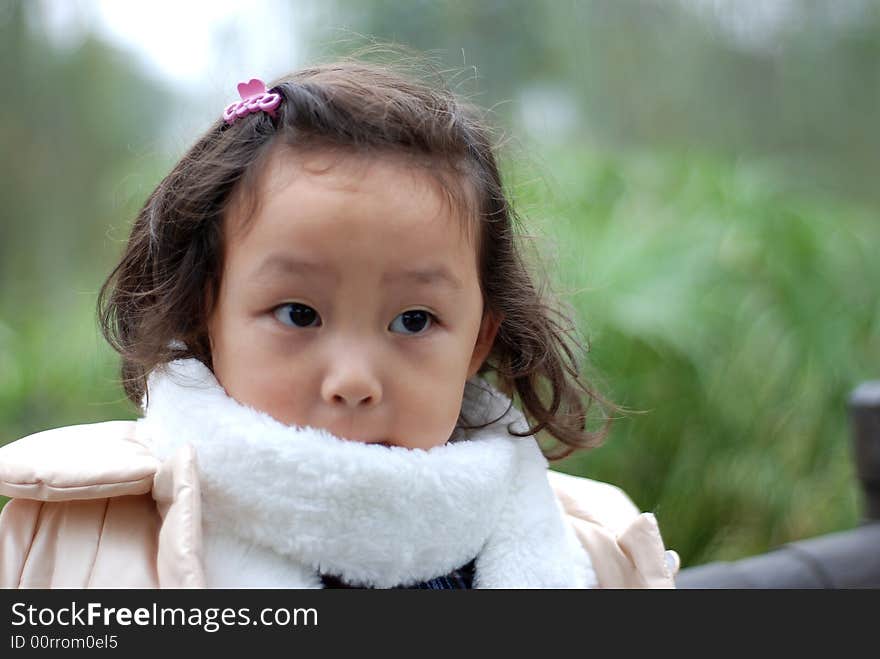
(282, 504)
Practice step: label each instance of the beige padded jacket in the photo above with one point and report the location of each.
(93, 508)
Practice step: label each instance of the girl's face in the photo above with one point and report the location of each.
(351, 301)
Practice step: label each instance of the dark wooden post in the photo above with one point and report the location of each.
(864, 409)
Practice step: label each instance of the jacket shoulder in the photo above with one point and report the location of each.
(79, 543)
(88, 461)
(598, 502)
(624, 544)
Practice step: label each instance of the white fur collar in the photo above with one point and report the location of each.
(308, 502)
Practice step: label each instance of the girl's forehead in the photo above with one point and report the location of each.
(399, 191)
(346, 172)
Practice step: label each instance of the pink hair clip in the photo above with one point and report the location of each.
(254, 98)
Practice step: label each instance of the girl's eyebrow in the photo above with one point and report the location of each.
(285, 264)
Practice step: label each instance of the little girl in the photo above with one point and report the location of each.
(308, 310)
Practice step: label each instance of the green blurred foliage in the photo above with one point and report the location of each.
(735, 319)
(803, 89)
(70, 125)
(77, 137)
(712, 217)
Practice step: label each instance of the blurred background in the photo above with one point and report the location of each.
(700, 176)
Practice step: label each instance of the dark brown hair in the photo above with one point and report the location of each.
(155, 305)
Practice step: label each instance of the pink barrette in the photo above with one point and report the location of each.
(254, 98)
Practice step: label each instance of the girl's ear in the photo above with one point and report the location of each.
(485, 340)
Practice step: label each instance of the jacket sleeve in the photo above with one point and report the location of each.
(18, 524)
(624, 545)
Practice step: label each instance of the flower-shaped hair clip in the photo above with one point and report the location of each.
(254, 98)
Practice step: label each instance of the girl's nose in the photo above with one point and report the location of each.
(352, 399)
(352, 387)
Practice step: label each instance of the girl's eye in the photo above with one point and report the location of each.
(413, 321)
(294, 314)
